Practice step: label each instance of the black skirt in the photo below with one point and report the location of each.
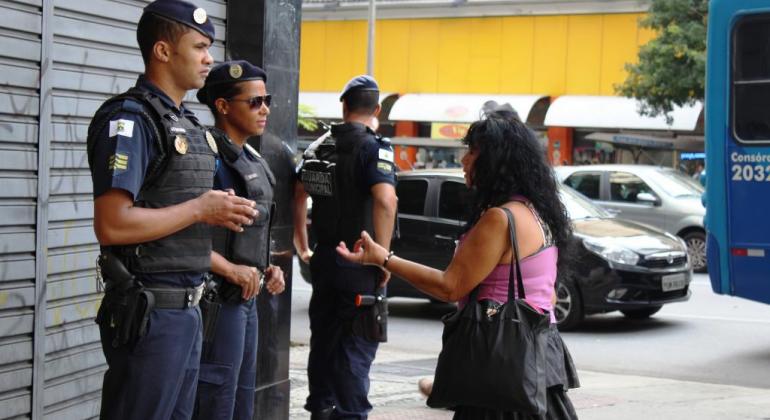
(561, 375)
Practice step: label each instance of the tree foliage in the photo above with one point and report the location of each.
(672, 67)
(305, 117)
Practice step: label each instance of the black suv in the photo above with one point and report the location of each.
(623, 266)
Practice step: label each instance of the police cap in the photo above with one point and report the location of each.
(228, 73)
(363, 82)
(183, 12)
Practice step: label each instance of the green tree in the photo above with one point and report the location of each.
(306, 118)
(672, 67)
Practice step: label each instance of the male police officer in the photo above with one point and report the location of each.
(349, 173)
(152, 170)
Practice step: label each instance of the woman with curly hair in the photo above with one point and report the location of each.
(505, 166)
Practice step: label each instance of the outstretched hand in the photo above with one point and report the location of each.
(365, 251)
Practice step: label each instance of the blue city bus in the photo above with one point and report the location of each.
(738, 148)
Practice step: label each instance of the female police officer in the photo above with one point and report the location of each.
(236, 94)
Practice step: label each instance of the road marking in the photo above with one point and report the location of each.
(718, 318)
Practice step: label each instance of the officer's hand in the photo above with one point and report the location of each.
(246, 277)
(221, 208)
(274, 280)
(305, 255)
(365, 251)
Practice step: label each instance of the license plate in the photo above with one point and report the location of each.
(673, 282)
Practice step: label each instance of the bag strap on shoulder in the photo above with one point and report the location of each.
(514, 259)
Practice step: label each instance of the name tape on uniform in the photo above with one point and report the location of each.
(124, 128)
(386, 155)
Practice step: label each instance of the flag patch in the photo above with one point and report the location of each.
(118, 162)
(385, 154)
(123, 128)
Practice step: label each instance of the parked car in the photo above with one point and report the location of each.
(657, 196)
(622, 265)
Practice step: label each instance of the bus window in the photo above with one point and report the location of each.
(751, 79)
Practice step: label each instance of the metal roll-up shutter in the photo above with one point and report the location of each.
(94, 56)
(20, 46)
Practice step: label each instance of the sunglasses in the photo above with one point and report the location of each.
(256, 102)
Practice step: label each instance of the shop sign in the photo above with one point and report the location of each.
(448, 130)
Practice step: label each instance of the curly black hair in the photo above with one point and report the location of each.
(511, 162)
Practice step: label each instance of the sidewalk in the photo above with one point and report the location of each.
(603, 396)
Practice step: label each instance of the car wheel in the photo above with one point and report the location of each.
(696, 249)
(569, 306)
(643, 313)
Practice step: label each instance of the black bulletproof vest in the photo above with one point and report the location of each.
(252, 246)
(172, 177)
(341, 207)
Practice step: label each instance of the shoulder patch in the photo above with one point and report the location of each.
(122, 127)
(118, 162)
(251, 150)
(385, 167)
(386, 155)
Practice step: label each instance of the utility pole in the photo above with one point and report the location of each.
(370, 45)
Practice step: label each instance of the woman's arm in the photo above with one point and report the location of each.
(478, 255)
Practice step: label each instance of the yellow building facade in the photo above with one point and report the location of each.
(581, 54)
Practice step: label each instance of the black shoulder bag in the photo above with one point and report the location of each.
(495, 362)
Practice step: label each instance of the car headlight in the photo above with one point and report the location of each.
(613, 253)
(682, 243)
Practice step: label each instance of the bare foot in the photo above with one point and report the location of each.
(425, 385)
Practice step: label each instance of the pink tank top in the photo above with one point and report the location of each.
(538, 270)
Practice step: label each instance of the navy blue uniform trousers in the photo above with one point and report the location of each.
(339, 362)
(229, 365)
(157, 378)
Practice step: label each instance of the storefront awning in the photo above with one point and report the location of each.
(616, 112)
(683, 143)
(326, 105)
(464, 108)
(633, 140)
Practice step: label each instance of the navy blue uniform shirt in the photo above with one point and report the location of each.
(122, 152)
(226, 177)
(375, 156)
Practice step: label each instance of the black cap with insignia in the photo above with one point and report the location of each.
(183, 12)
(363, 82)
(227, 73)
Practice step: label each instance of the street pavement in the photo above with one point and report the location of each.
(603, 396)
(705, 359)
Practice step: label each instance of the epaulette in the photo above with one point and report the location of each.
(132, 105)
(251, 150)
(384, 140)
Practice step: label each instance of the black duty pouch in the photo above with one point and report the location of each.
(127, 304)
(371, 319)
(127, 315)
(210, 307)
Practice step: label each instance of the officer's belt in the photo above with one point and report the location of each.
(176, 298)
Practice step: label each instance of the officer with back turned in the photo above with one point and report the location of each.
(350, 175)
(152, 165)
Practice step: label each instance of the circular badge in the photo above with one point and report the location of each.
(236, 71)
(199, 16)
(180, 144)
(212, 143)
